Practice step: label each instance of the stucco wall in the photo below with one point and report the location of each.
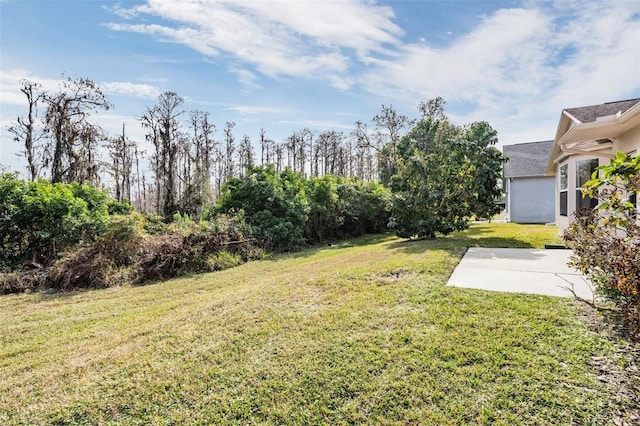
(532, 199)
(629, 141)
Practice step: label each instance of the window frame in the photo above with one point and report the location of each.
(585, 202)
(563, 176)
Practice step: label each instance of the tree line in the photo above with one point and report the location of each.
(189, 159)
(440, 174)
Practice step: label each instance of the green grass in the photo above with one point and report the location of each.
(360, 332)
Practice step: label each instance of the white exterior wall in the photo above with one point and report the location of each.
(531, 199)
(628, 142)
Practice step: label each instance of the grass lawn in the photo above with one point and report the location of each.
(359, 332)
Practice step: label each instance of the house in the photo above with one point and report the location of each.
(587, 137)
(530, 194)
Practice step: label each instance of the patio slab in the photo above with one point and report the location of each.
(531, 271)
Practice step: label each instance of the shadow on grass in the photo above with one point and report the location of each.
(311, 250)
(477, 236)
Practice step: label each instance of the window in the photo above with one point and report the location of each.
(563, 203)
(564, 173)
(584, 170)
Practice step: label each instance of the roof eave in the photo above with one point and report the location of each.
(587, 132)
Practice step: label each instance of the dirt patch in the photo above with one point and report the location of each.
(395, 275)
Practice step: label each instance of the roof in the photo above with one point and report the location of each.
(592, 130)
(526, 159)
(589, 114)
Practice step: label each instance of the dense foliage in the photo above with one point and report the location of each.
(606, 242)
(275, 206)
(446, 175)
(287, 210)
(66, 236)
(39, 219)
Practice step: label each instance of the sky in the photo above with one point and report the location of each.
(289, 64)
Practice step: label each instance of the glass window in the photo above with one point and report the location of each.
(564, 184)
(584, 170)
(563, 203)
(564, 171)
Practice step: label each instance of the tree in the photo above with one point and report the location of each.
(73, 138)
(446, 174)
(230, 148)
(245, 154)
(389, 126)
(25, 129)
(163, 127)
(364, 158)
(199, 192)
(122, 152)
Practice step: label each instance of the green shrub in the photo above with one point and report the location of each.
(606, 243)
(38, 220)
(276, 207)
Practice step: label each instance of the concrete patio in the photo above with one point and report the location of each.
(530, 271)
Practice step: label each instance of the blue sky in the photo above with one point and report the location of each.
(285, 65)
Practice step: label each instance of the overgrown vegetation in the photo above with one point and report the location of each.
(39, 220)
(288, 210)
(606, 242)
(65, 236)
(360, 332)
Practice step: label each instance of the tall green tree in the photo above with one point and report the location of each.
(446, 175)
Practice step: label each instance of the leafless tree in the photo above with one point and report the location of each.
(73, 139)
(230, 148)
(162, 122)
(245, 154)
(122, 152)
(25, 129)
(389, 128)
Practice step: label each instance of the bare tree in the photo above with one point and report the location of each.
(389, 127)
(230, 148)
(25, 129)
(73, 138)
(245, 154)
(122, 152)
(365, 166)
(203, 157)
(163, 130)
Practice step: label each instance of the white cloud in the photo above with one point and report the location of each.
(517, 68)
(253, 109)
(319, 124)
(126, 88)
(301, 39)
(520, 67)
(128, 13)
(248, 79)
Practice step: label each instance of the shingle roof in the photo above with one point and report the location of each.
(526, 159)
(588, 114)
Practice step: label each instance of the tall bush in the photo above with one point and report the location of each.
(39, 219)
(606, 242)
(275, 206)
